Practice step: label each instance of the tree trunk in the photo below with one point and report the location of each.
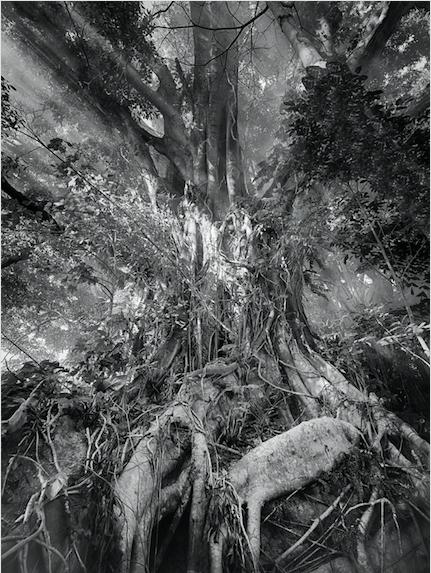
(217, 155)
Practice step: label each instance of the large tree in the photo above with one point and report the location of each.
(210, 398)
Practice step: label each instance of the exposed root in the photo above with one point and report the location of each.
(196, 549)
(291, 550)
(157, 454)
(418, 479)
(136, 489)
(283, 464)
(147, 491)
(295, 379)
(365, 565)
(325, 382)
(416, 442)
(216, 552)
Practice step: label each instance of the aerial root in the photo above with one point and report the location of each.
(291, 550)
(363, 560)
(172, 498)
(137, 487)
(277, 467)
(157, 455)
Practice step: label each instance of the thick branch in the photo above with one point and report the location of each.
(9, 261)
(47, 40)
(306, 52)
(155, 97)
(32, 205)
(379, 33)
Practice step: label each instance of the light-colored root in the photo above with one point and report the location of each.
(198, 505)
(416, 442)
(156, 455)
(283, 464)
(136, 489)
(293, 374)
(418, 479)
(254, 508)
(216, 553)
(364, 563)
(291, 550)
(292, 459)
(139, 557)
(325, 382)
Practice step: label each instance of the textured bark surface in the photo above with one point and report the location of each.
(217, 156)
(284, 464)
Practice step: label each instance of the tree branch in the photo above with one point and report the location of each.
(63, 60)
(155, 97)
(165, 99)
(9, 261)
(379, 32)
(307, 53)
(217, 28)
(158, 12)
(32, 205)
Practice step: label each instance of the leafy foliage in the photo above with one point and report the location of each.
(342, 131)
(377, 350)
(10, 118)
(373, 162)
(127, 28)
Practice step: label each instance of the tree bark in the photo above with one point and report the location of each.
(376, 38)
(306, 51)
(217, 156)
(37, 208)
